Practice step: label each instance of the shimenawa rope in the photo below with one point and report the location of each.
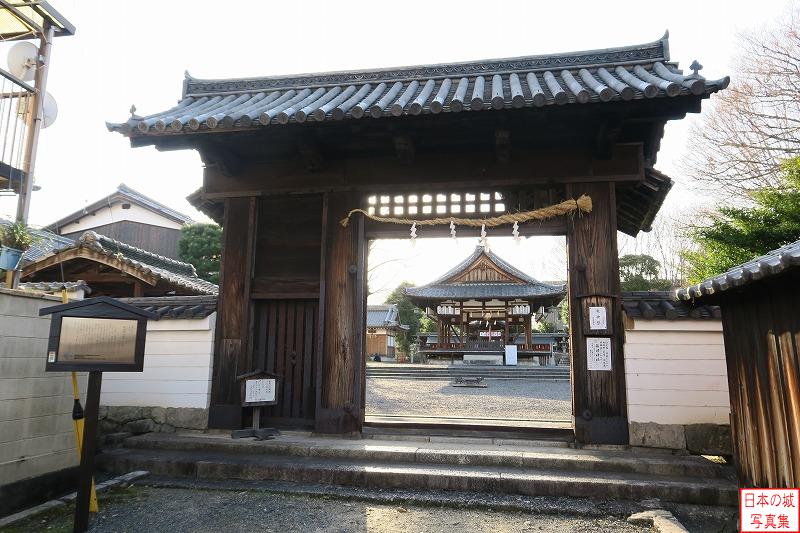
(582, 205)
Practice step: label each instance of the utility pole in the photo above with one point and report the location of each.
(34, 126)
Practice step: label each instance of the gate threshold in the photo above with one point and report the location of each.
(469, 427)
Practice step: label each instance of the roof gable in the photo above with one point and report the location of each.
(484, 266)
(122, 194)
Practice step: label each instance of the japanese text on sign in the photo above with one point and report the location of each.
(259, 390)
(769, 510)
(598, 353)
(597, 318)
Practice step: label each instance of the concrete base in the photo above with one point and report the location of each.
(482, 359)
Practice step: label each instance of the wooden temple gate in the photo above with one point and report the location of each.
(286, 159)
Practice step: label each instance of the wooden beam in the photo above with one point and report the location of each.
(463, 170)
(88, 254)
(404, 148)
(502, 145)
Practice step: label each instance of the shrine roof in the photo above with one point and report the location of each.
(638, 72)
(455, 285)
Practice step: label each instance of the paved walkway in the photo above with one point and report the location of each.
(520, 399)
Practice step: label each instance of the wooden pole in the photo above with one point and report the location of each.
(86, 468)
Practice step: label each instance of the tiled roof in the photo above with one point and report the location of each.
(53, 286)
(442, 288)
(46, 243)
(173, 272)
(176, 307)
(122, 194)
(663, 305)
(382, 316)
(627, 73)
(777, 261)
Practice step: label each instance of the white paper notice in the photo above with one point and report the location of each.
(597, 318)
(598, 353)
(259, 390)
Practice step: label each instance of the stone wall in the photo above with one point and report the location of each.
(136, 420)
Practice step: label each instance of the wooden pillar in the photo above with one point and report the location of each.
(341, 392)
(233, 309)
(598, 396)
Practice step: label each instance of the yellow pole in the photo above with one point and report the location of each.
(77, 418)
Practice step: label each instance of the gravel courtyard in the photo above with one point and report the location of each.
(504, 398)
(146, 509)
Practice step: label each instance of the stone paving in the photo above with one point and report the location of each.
(521, 399)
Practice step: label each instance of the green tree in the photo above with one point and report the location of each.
(201, 245)
(639, 272)
(408, 314)
(737, 234)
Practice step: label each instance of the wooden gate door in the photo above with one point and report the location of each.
(285, 342)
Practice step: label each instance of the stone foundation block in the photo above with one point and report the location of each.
(654, 435)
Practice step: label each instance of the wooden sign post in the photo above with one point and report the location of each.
(94, 335)
(259, 388)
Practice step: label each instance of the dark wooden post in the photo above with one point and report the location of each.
(341, 388)
(231, 336)
(598, 397)
(86, 469)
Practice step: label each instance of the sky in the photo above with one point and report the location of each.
(128, 53)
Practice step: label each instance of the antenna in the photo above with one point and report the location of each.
(22, 60)
(49, 109)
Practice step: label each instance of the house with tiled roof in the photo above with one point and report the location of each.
(383, 324)
(128, 216)
(114, 268)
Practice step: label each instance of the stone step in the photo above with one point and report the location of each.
(443, 451)
(421, 476)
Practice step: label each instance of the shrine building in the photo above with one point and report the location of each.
(483, 304)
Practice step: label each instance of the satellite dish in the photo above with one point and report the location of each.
(22, 60)
(49, 109)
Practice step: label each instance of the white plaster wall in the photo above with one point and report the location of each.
(115, 213)
(36, 429)
(177, 367)
(675, 372)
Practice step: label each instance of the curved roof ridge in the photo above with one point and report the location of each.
(493, 257)
(657, 50)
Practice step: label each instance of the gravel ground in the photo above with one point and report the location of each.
(145, 509)
(503, 398)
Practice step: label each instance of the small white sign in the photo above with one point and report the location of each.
(51, 356)
(259, 390)
(511, 354)
(598, 353)
(597, 318)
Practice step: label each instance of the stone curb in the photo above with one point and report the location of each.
(659, 519)
(27, 513)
